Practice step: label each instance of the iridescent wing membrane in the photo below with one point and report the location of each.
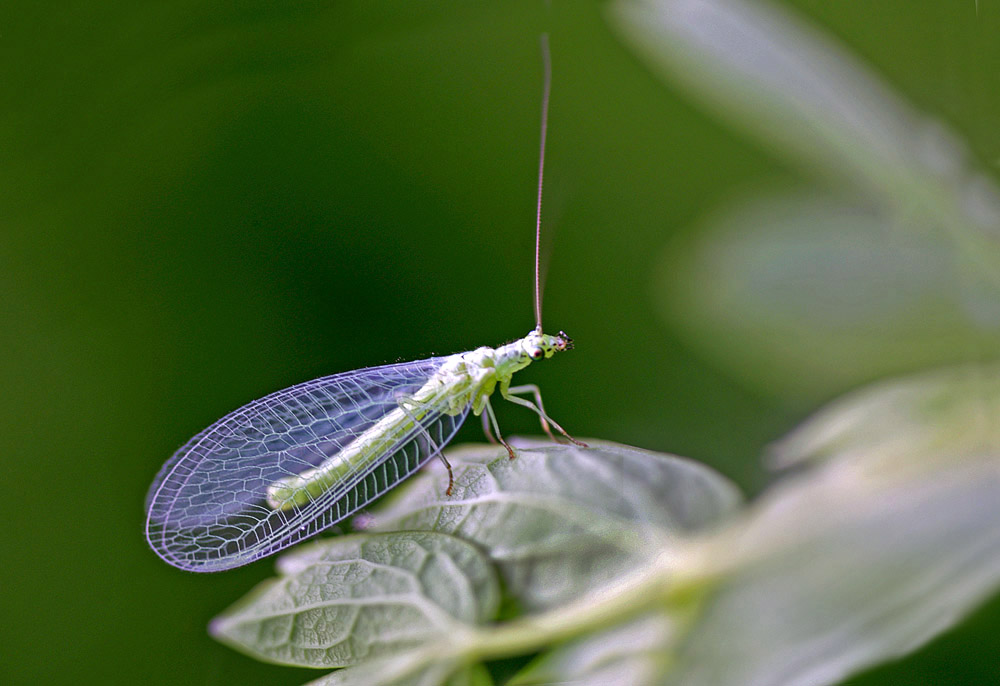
(207, 509)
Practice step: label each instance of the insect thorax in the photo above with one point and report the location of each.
(471, 377)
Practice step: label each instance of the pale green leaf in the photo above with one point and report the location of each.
(561, 520)
(343, 600)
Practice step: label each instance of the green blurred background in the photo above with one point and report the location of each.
(204, 202)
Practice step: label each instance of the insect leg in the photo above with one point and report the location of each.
(496, 428)
(508, 393)
(451, 477)
(533, 389)
(486, 428)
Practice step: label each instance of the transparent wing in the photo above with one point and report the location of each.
(206, 509)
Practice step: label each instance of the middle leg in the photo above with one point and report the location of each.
(488, 410)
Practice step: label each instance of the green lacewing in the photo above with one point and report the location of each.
(287, 466)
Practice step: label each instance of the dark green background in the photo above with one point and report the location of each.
(202, 202)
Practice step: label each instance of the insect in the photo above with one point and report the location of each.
(293, 463)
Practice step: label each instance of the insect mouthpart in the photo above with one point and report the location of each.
(564, 342)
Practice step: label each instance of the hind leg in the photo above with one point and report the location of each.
(430, 441)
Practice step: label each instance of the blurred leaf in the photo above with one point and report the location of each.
(868, 555)
(343, 600)
(561, 520)
(909, 423)
(810, 293)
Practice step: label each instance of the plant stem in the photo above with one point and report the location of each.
(658, 584)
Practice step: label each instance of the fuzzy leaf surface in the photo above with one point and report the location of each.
(344, 600)
(561, 520)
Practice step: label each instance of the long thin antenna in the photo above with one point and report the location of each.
(547, 65)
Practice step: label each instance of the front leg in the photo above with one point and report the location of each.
(508, 393)
(487, 431)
